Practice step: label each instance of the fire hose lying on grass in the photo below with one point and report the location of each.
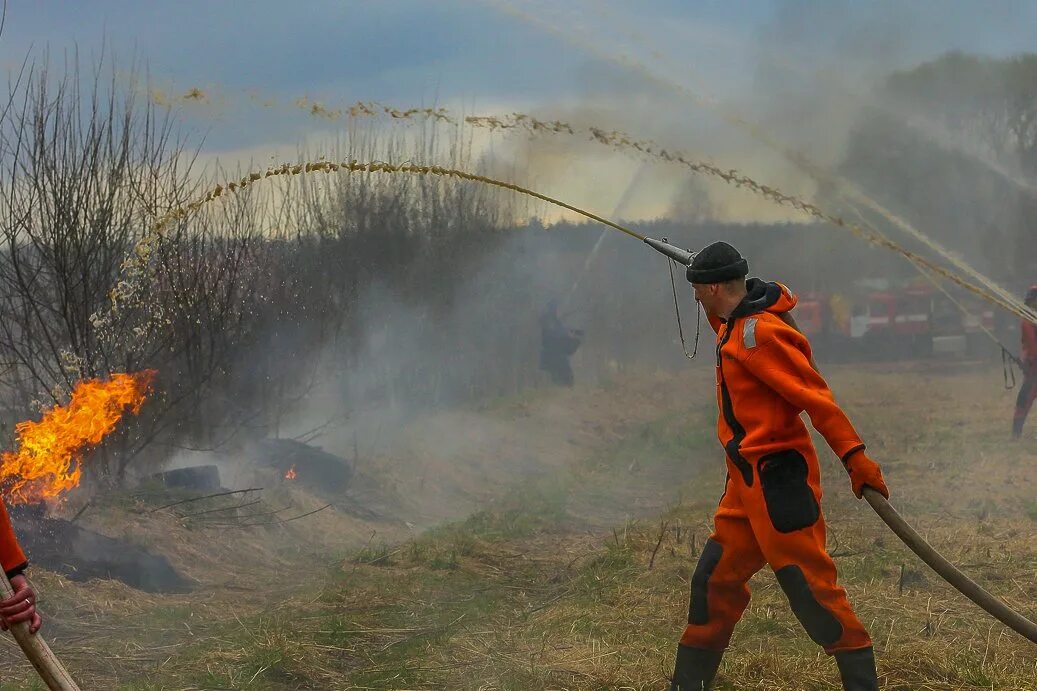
(908, 535)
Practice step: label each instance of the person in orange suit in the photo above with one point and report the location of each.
(1028, 391)
(22, 605)
(770, 512)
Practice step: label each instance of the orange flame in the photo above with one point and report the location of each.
(290, 475)
(47, 462)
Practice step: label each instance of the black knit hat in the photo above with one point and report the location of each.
(717, 263)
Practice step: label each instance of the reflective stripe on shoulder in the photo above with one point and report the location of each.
(749, 333)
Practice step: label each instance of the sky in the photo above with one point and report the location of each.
(630, 65)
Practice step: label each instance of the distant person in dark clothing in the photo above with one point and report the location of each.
(1028, 391)
(557, 344)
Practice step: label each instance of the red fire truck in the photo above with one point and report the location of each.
(884, 322)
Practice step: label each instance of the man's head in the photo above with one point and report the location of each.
(718, 275)
(1031, 296)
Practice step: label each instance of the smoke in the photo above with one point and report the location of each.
(440, 357)
(809, 75)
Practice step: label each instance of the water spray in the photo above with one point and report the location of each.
(622, 141)
(988, 289)
(592, 255)
(134, 267)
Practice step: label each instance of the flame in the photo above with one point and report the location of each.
(47, 462)
(290, 475)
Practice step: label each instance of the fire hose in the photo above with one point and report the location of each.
(903, 530)
(948, 571)
(38, 652)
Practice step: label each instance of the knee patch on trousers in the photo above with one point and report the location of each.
(820, 624)
(791, 504)
(698, 609)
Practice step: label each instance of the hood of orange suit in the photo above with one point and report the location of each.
(765, 296)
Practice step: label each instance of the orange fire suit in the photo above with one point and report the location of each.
(770, 512)
(11, 556)
(1028, 391)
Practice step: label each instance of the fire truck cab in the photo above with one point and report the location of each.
(891, 322)
(876, 320)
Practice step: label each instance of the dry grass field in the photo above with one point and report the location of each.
(546, 542)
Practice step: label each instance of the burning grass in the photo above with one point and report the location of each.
(46, 464)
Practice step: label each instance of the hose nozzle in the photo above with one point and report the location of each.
(683, 257)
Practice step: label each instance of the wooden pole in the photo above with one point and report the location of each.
(47, 665)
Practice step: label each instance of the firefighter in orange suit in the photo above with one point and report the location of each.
(22, 605)
(770, 513)
(1028, 391)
